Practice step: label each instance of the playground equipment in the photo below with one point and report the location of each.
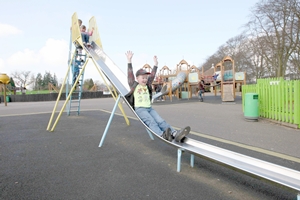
(189, 84)
(172, 83)
(10, 87)
(77, 76)
(147, 67)
(178, 81)
(4, 87)
(268, 171)
(194, 76)
(171, 86)
(183, 67)
(230, 79)
(94, 88)
(227, 80)
(4, 79)
(51, 88)
(165, 77)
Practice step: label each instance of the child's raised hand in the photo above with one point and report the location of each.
(129, 55)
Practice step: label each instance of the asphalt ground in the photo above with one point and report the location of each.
(68, 164)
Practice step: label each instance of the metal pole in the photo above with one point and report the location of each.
(5, 102)
(67, 99)
(150, 134)
(109, 121)
(113, 94)
(179, 153)
(57, 100)
(192, 160)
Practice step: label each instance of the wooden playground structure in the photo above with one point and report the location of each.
(227, 81)
(4, 87)
(166, 75)
(52, 88)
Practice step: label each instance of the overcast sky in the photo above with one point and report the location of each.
(35, 34)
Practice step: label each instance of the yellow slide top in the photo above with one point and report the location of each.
(76, 34)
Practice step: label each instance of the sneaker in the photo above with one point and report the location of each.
(89, 45)
(180, 136)
(162, 100)
(167, 134)
(173, 134)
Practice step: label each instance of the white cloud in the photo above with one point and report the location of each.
(7, 30)
(1, 65)
(55, 52)
(52, 57)
(23, 58)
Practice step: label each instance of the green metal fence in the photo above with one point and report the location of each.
(279, 99)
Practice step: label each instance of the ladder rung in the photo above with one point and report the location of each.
(74, 106)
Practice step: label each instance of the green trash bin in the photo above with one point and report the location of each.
(251, 106)
(7, 98)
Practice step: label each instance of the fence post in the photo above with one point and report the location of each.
(297, 102)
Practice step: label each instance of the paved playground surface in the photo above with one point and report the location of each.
(68, 164)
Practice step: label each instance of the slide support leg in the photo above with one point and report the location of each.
(109, 121)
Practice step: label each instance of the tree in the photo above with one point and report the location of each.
(276, 24)
(47, 79)
(12, 86)
(24, 78)
(38, 82)
(54, 80)
(88, 84)
(237, 48)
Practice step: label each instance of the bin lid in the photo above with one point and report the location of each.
(251, 94)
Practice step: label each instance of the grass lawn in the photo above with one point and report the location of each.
(31, 92)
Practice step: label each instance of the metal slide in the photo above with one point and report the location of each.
(117, 77)
(176, 83)
(282, 175)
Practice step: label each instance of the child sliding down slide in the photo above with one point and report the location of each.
(140, 96)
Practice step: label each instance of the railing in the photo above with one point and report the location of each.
(279, 99)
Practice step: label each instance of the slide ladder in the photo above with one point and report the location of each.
(78, 80)
(75, 38)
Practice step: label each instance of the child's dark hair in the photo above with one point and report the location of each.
(83, 26)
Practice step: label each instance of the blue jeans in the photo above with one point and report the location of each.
(151, 118)
(200, 93)
(75, 73)
(85, 37)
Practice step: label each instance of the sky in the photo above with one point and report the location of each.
(35, 34)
